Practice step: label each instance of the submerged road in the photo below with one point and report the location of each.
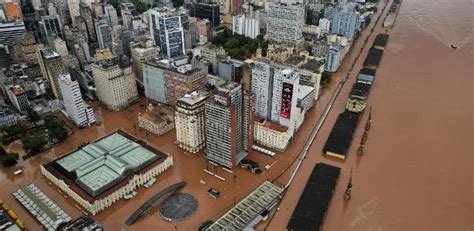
(317, 126)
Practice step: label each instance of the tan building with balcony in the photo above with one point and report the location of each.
(157, 119)
(271, 135)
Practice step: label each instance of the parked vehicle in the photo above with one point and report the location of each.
(214, 193)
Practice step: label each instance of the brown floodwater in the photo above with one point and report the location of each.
(417, 171)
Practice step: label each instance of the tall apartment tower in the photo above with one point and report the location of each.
(104, 33)
(80, 113)
(285, 24)
(250, 27)
(229, 125)
(10, 31)
(275, 88)
(73, 6)
(285, 98)
(190, 122)
(206, 10)
(51, 66)
(51, 24)
(115, 82)
(345, 22)
(167, 29)
(86, 13)
(111, 14)
(262, 87)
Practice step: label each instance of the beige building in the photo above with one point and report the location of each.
(141, 53)
(191, 122)
(25, 49)
(271, 135)
(279, 53)
(115, 83)
(99, 174)
(51, 66)
(157, 119)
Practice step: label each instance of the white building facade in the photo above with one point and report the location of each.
(285, 25)
(250, 27)
(76, 109)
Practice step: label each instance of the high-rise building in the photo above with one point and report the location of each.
(334, 57)
(231, 70)
(10, 31)
(345, 22)
(62, 10)
(80, 113)
(236, 7)
(262, 87)
(73, 6)
(250, 27)
(276, 90)
(325, 26)
(190, 122)
(205, 10)
(285, 24)
(18, 98)
(51, 25)
(166, 26)
(229, 125)
(111, 14)
(143, 52)
(51, 66)
(166, 82)
(284, 97)
(25, 49)
(104, 33)
(86, 13)
(115, 82)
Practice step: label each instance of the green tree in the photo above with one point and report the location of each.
(10, 159)
(2, 151)
(326, 78)
(178, 3)
(33, 144)
(33, 115)
(56, 130)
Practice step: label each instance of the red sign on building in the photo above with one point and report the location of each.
(286, 97)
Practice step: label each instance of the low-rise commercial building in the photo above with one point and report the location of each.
(157, 119)
(271, 135)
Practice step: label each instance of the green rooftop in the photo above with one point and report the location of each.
(100, 165)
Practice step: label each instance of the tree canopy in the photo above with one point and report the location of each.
(238, 46)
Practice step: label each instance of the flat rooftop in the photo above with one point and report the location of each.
(97, 169)
(373, 58)
(247, 210)
(271, 125)
(341, 135)
(312, 206)
(381, 40)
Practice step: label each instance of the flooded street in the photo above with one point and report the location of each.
(416, 173)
